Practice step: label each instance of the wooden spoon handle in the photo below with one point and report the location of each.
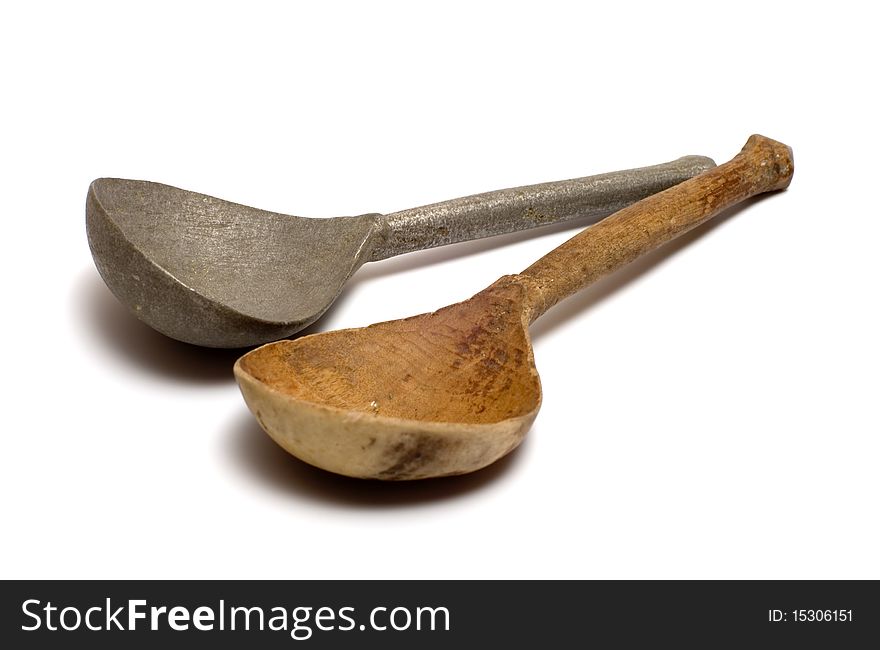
(762, 166)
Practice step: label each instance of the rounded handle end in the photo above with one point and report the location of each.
(774, 159)
(696, 164)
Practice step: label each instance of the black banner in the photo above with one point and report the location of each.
(438, 614)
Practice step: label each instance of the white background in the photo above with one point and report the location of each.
(710, 411)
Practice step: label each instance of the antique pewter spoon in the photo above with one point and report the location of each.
(219, 274)
(452, 391)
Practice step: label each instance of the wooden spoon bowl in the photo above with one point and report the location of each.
(436, 394)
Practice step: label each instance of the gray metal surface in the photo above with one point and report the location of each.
(219, 274)
(520, 208)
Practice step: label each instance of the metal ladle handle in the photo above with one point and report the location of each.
(509, 210)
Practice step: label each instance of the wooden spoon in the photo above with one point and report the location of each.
(452, 391)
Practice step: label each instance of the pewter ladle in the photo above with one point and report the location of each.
(219, 274)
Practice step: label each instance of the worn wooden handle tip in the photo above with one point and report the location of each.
(775, 159)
